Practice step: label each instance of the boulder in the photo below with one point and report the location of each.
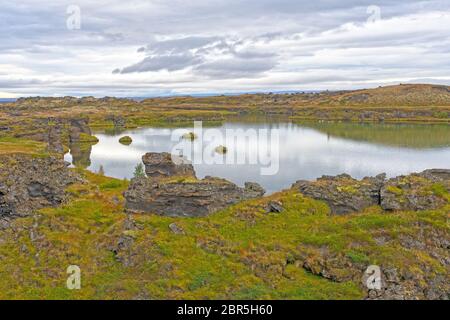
(274, 207)
(160, 165)
(185, 197)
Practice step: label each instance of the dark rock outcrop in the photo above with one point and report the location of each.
(423, 191)
(396, 283)
(343, 194)
(28, 183)
(436, 175)
(54, 139)
(77, 127)
(185, 197)
(160, 165)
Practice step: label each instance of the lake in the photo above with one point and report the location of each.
(288, 152)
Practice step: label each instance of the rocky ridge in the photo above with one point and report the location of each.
(344, 194)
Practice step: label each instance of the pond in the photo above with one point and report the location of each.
(277, 154)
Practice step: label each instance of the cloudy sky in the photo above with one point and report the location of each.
(165, 47)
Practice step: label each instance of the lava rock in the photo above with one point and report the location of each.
(28, 184)
(342, 193)
(416, 191)
(185, 197)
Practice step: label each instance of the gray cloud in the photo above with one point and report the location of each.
(213, 57)
(179, 45)
(165, 62)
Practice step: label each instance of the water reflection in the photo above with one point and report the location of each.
(80, 155)
(304, 153)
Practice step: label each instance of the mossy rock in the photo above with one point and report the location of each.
(126, 140)
(221, 149)
(190, 136)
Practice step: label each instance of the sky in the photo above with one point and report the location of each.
(140, 48)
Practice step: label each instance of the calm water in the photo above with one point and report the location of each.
(305, 151)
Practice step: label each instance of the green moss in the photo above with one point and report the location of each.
(86, 138)
(358, 257)
(395, 190)
(9, 145)
(439, 189)
(113, 185)
(348, 189)
(441, 115)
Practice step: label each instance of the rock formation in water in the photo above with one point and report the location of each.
(343, 194)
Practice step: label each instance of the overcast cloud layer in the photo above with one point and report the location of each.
(164, 47)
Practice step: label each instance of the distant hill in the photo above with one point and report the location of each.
(404, 95)
(398, 95)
